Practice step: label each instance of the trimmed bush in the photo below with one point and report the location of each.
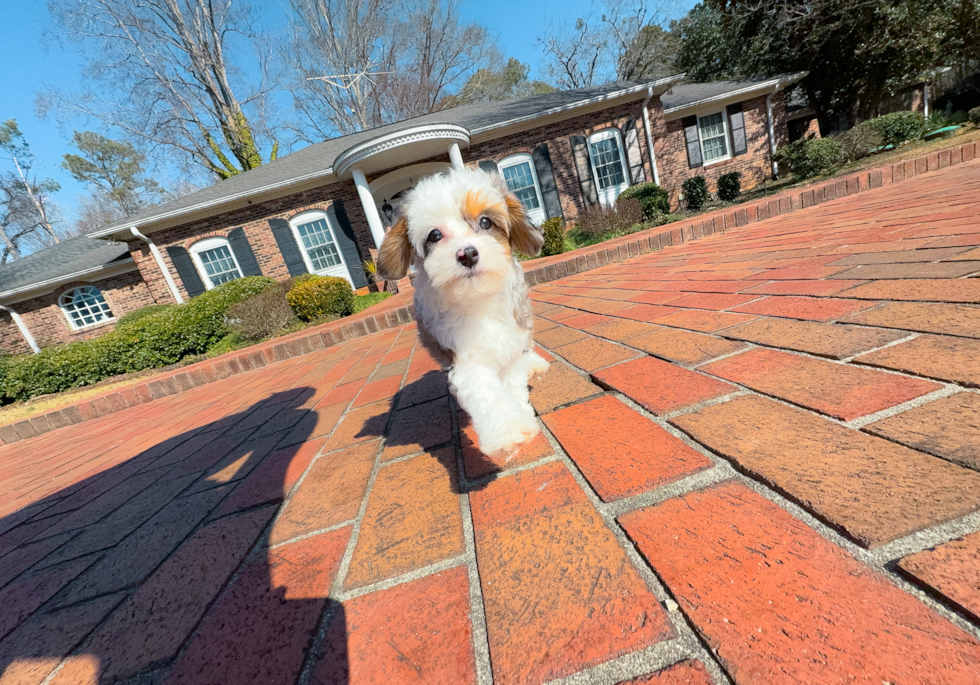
(859, 142)
(142, 313)
(262, 315)
(601, 220)
(695, 192)
(810, 156)
(654, 199)
(730, 186)
(898, 127)
(974, 115)
(319, 297)
(554, 236)
(158, 338)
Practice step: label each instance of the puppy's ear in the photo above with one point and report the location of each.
(395, 253)
(524, 236)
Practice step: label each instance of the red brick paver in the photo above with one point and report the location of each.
(758, 461)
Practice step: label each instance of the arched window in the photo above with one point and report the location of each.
(85, 306)
(216, 261)
(522, 180)
(317, 240)
(608, 164)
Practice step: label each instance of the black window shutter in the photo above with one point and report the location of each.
(182, 261)
(693, 140)
(736, 124)
(583, 166)
(489, 165)
(631, 139)
(344, 233)
(243, 252)
(288, 247)
(546, 179)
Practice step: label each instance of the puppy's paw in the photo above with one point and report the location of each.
(508, 442)
(536, 366)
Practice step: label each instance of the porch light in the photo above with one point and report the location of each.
(388, 211)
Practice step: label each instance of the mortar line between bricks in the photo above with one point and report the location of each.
(689, 642)
(911, 336)
(862, 421)
(934, 534)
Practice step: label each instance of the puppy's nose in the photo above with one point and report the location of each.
(468, 257)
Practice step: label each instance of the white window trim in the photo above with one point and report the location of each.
(312, 215)
(728, 138)
(535, 215)
(210, 244)
(71, 321)
(608, 196)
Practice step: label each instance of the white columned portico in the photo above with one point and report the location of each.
(370, 209)
(22, 327)
(455, 156)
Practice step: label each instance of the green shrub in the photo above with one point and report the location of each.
(859, 142)
(898, 127)
(142, 313)
(157, 338)
(316, 298)
(810, 156)
(554, 236)
(974, 115)
(695, 192)
(654, 199)
(730, 186)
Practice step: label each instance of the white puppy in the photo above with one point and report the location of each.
(460, 229)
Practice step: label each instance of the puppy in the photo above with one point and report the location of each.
(460, 229)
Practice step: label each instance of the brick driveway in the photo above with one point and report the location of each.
(760, 465)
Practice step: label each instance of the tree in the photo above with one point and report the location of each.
(25, 207)
(622, 40)
(855, 52)
(501, 83)
(364, 63)
(166, 74)
(114, 168)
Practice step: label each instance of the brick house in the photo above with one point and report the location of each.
(325, 208)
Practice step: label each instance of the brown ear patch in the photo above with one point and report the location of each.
(395, 254)
(525, 237)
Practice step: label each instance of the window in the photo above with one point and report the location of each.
(522, 180)
(215, 261)
(608, 164)
(318, 243)
(85, 306)
(714, 137)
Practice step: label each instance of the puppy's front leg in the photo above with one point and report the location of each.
(501, 421)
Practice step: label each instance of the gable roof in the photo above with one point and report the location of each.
(481, 119)
(690, 95)
(60, 263)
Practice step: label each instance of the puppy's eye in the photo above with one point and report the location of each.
(434, 237)
(485, 223)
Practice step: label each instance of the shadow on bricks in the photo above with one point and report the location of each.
(159, 570)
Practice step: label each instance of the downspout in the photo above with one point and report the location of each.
(22, 327)
(163, 266)
(772, 131)
(925, 99)
(646, 127)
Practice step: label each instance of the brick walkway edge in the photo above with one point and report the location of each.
(399, 310)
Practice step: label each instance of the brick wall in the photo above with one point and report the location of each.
(254, 220)
(755, 166)
(47, 322)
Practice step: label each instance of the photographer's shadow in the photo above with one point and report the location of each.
(178, 583)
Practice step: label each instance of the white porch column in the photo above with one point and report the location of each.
(455, 156)
(370, 209)
(772, 132)
(22, 327)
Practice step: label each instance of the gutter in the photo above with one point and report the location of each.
(761, 86)
(646, 127)
(22, 327)
(163, 266)
(62, 279)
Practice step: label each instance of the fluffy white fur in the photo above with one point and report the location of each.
(481, 314)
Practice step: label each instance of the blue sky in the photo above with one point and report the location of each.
(30, 63)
